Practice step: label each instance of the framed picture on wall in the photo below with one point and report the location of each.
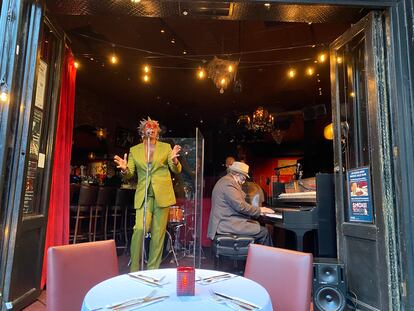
(124, 138)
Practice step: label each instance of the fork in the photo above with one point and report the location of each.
(226, 302)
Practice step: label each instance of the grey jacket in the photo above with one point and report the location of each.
(230, 213)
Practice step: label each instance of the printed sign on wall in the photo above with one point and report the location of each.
(359, 195)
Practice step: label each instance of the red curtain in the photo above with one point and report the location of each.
(57, 232)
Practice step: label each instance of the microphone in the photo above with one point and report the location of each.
(148, 132)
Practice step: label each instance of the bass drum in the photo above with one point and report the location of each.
(167, 246)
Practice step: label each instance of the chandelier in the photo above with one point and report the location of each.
(261, 120)
(222, 72)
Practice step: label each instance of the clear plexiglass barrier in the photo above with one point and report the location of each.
(183, 239)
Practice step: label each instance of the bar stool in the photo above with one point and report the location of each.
(83, 209)
(106, 198)
(232, 247)
(129, 217)
(117, 213)
(74, 194)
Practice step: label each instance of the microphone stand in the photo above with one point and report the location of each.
(145, 204)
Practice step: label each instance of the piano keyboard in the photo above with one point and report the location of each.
(277, 215)
(298, 195)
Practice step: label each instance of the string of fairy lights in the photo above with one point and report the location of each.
(294, 66)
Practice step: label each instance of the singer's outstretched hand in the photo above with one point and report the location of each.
(121, 163)
(175, 154)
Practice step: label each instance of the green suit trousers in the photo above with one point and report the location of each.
(157, 219)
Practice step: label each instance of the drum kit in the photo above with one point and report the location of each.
(179, 235)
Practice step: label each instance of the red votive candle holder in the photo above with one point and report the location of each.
(185, 281)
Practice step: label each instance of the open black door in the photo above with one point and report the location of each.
(363, 166)
(28, 151)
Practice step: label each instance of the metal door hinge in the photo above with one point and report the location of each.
(403, 289)
(10, 15)
(395, 151)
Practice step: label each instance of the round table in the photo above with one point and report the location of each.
(124, 287)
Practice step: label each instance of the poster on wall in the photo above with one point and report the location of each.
(359, 195)
(41, 84)
(36, 132)
(28, 205)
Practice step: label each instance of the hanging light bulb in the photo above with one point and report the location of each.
(114, 59)
(201, 74)
(310, 71)
(230, 68)
(291, 73)
(135, 1)
(76, 64)
(328, 132)
(146, 68)
(339, 60)
(322, 57)
(223, 81)
(4, 97)
(146, 78)
(91, 155)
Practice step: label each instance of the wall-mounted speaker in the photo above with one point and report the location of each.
(329, 286)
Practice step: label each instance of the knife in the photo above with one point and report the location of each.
(240, 302)
(144, 279)
(144, 301)
(215, 277)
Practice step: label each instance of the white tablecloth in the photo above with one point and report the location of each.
(123, 287)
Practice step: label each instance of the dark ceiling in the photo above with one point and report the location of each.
(295, 34)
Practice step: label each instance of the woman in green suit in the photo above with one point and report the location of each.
(160, 190)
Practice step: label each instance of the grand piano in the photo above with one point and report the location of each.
(304, 211)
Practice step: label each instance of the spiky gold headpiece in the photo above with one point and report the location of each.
(147, 124)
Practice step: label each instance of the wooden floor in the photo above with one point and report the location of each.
(207, 262)
(39, 304)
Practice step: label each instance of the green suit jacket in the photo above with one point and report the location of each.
(159, 175)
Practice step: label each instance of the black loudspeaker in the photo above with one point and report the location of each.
(329, 286)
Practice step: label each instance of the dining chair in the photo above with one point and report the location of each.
(74, 269)
(285, 274)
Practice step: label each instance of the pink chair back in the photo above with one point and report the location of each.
(74, 269)
(286, 275)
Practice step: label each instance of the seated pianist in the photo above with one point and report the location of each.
(231, 214)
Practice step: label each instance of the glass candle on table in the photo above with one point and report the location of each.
(185, 281)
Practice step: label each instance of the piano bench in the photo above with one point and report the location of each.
(231, 247)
